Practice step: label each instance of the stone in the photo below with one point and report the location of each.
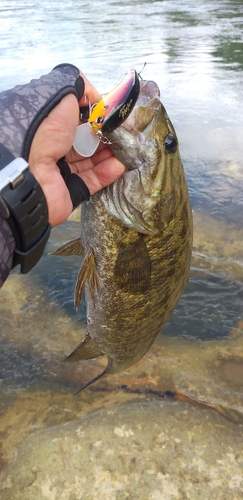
(144, 450)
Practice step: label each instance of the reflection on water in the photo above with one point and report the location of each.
(209, 308)
(194, 51)
(216, 187)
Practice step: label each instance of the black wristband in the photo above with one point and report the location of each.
(28, 220)
(26, 210)
(77, 188)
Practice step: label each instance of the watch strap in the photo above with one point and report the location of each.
(26, 209)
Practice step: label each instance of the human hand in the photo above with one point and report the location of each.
(53, 140)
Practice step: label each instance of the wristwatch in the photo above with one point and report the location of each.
(23, 204)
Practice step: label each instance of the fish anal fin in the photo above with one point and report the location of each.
(87, 272)
(85, 350)
(73, 247)
(133, 267)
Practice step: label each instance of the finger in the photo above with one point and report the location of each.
(80, 163)
(54, 136)
(102, 174)
(92, 94)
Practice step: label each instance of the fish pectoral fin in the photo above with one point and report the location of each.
(73, 247)
(87, 272)
(85, 350)
(133, 267)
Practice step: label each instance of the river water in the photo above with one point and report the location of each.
(194, 51)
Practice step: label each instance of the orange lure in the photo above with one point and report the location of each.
(115, 107)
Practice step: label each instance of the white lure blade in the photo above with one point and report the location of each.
(85, 141)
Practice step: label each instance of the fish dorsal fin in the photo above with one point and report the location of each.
(133, 267)
(85, 350)
(73, 247)
(87, 272)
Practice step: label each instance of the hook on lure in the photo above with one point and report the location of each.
(108, 114)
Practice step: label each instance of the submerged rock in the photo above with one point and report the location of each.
(195, 388)
(151, 451)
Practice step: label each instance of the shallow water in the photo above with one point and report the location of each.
(194, 51)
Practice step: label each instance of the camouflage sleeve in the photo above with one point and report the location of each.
(7, 245)
(23, 108)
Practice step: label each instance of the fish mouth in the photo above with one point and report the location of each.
(129, 141)
(149, 95)
(149, 90)
(148, 103)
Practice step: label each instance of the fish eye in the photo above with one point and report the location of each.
(170, 143)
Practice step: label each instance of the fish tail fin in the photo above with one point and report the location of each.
(91, 381)
(85, 350)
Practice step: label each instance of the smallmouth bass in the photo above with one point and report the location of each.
(136, 239)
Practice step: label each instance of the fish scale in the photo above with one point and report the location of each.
(136, 236)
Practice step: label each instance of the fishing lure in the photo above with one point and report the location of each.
(108, 114)
(114, 108)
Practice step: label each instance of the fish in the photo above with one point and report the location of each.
(136, 240)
